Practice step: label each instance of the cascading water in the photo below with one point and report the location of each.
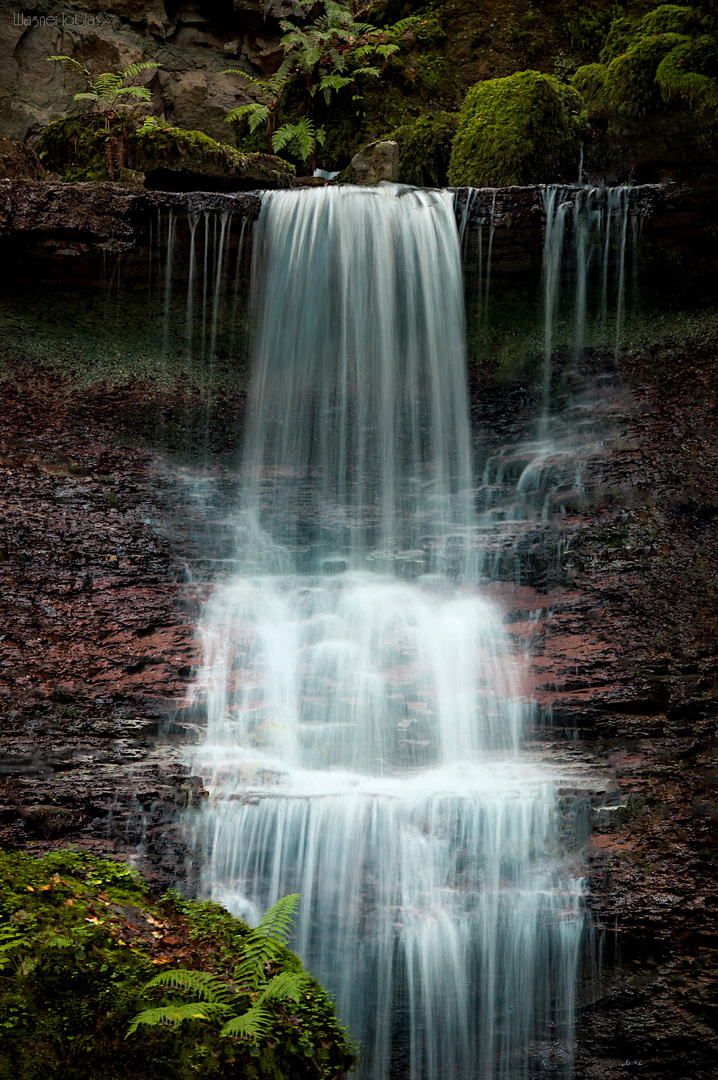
(364, 700)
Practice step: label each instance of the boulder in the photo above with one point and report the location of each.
(525, 129)
(376, 162)
(19, 162)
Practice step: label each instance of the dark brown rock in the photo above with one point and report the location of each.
(18, 161)
(101, 211)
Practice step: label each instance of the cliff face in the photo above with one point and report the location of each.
(195, 41)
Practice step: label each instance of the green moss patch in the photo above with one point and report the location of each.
(85, 148)
(425, 149)
(524, 129)
(80, 938)
(668, 56)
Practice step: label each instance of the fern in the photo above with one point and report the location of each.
(266, 943)
(202, 984)
(133, 70)
(277, 924)
(255, 1024)
(287, 986)
(332, 82)
(174, 1015)
(73, 65)
(215, 999)
(107, 90)
(256, 113)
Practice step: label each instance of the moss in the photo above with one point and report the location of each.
(689, 72)
(663, 58)
(526, 128)
(425, 149)
(80, 937)
(84, 148)
(590, 82)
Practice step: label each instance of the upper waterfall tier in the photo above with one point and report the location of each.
(357, 442)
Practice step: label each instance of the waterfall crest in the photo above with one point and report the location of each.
(364, 700)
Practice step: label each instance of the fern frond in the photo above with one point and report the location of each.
(254, 1024)
(277, 924)
(335, 82)
(109, 80)
(87, 95)
(68, 62)
(174, 1015)
(141, 92)
(132, 70)
(287, 986)
(283, 72)
(258, 114)
(404, 25)
(265, 943)
(280, 139)
(201, 984)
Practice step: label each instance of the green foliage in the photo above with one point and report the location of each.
(80, 945)
(83, 148)
(262, 949)
(299, 139)
(668, 56)
(523, 129)
(331, 65)
(107, 91)
(425, 149)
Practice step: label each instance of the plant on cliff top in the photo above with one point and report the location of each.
(524, 129)
(425, 149)
(106, 91)
(335, 52)
(83, 148)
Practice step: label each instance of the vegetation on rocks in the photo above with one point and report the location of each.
(108, 92)
(80, 939)
(93, 148)
(425, 149)
(526, 128)
(670, 56)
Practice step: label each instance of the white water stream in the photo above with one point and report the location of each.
(365, 703)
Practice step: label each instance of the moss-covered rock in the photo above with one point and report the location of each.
(524, 129)
(668, 56)
(86, 148)
(653, 98)
(425, 149)
(80, 938)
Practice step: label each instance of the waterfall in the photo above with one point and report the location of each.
(365, 702)
(598, 222)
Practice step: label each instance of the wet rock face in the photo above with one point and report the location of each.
(97, 645)
(104, 211)
(194, 43)
(625, 658)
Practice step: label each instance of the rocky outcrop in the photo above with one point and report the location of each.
(194, 43)
(101, 212)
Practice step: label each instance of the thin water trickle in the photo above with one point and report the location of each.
(365, 703)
